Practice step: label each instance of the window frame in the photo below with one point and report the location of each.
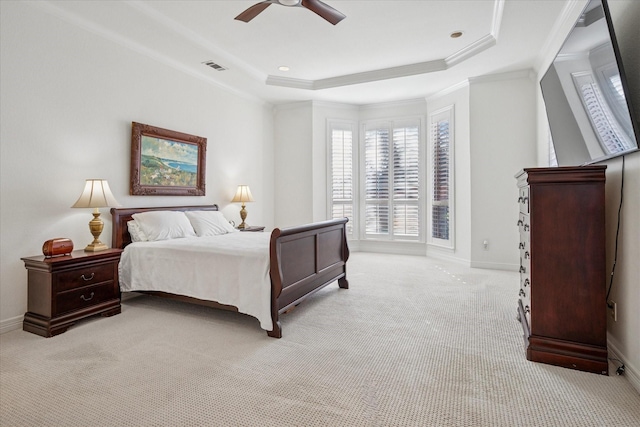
(344, 125)
(447, 113)
(391, 124)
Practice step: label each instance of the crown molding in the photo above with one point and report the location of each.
(471, 50)
(454, 88)
(417, 102)
(528, 73)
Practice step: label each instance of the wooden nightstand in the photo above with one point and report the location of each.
(253, 228)
(65, 289)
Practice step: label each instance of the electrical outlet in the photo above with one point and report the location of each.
(613, 310)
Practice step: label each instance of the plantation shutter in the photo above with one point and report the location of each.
(342, 184)
(392, 180)
(406, 181)
(376, 179)
(441, 167)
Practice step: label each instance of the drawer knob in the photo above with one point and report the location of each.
(526, 255)
(521, 245)
(526, 282)
(85, 298)
(526, 227)
(86, 279)
(527, 309)
(522, 269)
(520, 199)
(522, 293)
(519, 222)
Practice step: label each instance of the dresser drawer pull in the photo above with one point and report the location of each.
(525, 200)
(86, 279)
(526, 255)
(87, 299)
(522, 293)
(527, 309)
(521, 245)
(522, 269)
(526, 227)
(520, 199)
(526, 282)
(520, 222)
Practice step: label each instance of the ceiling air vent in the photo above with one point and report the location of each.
(215, 66)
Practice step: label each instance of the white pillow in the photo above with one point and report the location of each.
(137, 235)
(209, 223)
(164, 225)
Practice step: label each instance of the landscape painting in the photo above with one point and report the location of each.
(165, 162)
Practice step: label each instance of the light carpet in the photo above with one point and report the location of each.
(413, 342)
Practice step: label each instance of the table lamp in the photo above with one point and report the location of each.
(96, 194)
(243, 194)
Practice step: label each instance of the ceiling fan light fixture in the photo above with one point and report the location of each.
(318, 7)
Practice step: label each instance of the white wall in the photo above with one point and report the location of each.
(294, 164)
(68, 100)
(502, 128)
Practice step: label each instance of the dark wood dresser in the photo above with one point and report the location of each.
(65, 289)
(562, 297)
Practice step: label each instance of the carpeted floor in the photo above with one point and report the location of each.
(413, 342)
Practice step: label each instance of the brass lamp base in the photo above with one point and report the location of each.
(96, 247)
(96, 225)
(243, 216)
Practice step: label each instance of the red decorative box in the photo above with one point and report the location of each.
(59, 246)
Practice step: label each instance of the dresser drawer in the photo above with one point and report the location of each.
(84, 297)
(84, 276)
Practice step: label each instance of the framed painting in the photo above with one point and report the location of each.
(166, 163)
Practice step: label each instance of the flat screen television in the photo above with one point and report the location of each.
(586, 94)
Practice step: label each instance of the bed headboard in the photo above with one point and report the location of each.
(120, 216)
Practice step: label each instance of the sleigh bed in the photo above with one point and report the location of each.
(300, 261)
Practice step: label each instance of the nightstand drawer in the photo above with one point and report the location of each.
(84, 297)
(84, 276)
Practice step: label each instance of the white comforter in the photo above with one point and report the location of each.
(230, 269)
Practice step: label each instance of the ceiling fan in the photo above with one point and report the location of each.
(316, 6)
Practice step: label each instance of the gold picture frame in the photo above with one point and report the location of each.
(166, 163)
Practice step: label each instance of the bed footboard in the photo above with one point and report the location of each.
(305, 259)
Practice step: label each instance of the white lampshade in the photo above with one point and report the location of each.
(96, 194)
(243, 194)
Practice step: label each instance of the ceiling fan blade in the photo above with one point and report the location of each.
(324, 10)
(253, 11)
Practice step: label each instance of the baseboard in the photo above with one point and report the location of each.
(12, 324)
(630, 372)
(446, 256)
(390, 247)
(494, 266)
